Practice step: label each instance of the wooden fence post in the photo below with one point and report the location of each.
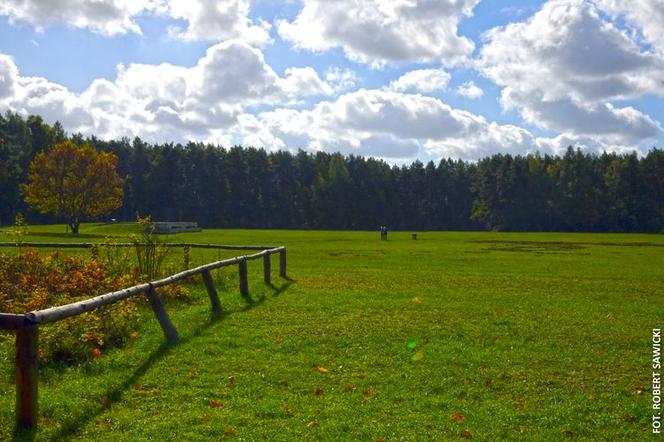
(282, 263)
(212, 293)
(160, 312)
(244, 286)
(27, 376)
(186, 257)
(267, 277)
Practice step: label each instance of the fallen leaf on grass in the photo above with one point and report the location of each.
(206, 419)
(311, 424)
(368, 393)
(214, 403)
(318, 391)
(133, 335)
(569, 433)
(289, 411)
(230, 432)
(96, 352)
(192, 374)
(348, 388)
(322, 369)
(416, 300)
(457, 416)
(466, 434)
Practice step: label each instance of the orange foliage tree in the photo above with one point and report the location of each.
(74, 182)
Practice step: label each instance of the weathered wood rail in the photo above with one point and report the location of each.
(26, 326)
(88, 245)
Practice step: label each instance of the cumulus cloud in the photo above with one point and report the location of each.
(168, 102)
(105, 17)
(233, 72)
(421, 80)
(379, 32)
(304, 82)
(34, 95)
(560, 143)
(390, 124)
(218, 20)
(164, 102)
(470, 90)
(341, 79)
(211, 20)
(562, 68)
(8, 76)
(646, 16)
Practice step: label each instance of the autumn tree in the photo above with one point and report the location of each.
(74, 182)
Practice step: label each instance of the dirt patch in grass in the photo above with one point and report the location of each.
(553, 247)
(538, 247)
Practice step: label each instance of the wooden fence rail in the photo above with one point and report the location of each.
(27, 325)
(88, 245)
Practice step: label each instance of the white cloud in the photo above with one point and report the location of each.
(562, 68)
(391, 125)
(486, 139)
(304, 82)
(210, 20)
(218, 20)
(470, 90)
(8, 76)
(52, 101)
(164, 102)
(378, 32)
(233, 72)
(646, 15)
(110, 17)
(341, 79)
(560, 143)
(421, 80)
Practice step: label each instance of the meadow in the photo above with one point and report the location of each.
(531, 336)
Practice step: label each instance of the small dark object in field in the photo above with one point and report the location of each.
(414, 235)
(383, 233)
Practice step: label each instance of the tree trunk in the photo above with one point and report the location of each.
(74, 224)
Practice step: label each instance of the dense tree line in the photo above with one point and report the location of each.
(252, 188)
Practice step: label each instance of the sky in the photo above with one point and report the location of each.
(393, 79)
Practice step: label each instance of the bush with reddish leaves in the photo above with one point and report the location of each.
(32, 281)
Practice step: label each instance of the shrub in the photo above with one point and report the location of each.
(30, 281)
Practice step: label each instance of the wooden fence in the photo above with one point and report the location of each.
(27, 325)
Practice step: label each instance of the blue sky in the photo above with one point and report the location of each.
(398, 79)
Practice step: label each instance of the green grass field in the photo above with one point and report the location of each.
(483, 335)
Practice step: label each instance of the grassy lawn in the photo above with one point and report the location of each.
(483, 335)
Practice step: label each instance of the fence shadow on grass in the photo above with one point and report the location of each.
(114, 394)
(69, 236)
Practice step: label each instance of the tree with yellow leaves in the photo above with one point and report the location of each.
(74, 182)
